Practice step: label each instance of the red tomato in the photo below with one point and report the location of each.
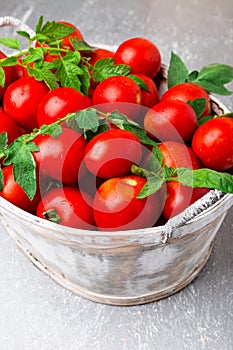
(212, 143)
(171, 121)
(117, 208)
(118, 93)
(58, 102)
(178, 155)
(76, 34)
(22, 99)
(61, 157)
(15, 194)
(99, 54)
(67, 206)
(179, 197)
(7, 124)
(112, 153)
(188, 91)
(10, 75)
(151, 97)
(141, 54)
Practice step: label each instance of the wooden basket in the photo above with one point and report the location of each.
(121, 268)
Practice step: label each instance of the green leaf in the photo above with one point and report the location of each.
(205, 178)
(2, 77)
(155, 160)
(89, 134)
(120, 120)
(213, 78)
(1, 180)
(85, 80)
(53, 31)
(86, 119)
(53, 130)
(19, 153)
(106, 68)
(177, 71)
(3, 141)
(68, 71)
(39, 24)
(139, 81)
(10, 43)
(44, 74)
(193, 75)
(141, 134)
(36, 54)
(80, 45)
(9, 61)
(153, 184)
(23, 34)
(198, 105)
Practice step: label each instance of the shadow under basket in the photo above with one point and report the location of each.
(127, 267)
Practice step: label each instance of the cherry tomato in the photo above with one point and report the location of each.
(179, 197)
(67, 206)
(61, 157)
(15, 194)
(212, 143)
(76, 34)
(7, 124)
(118, 93)
(117, 208)
(22, 99)
(188, 91)
(112, 153)
(171, 121)
(141, 54)
(178, 155)
(99, 54)
(10, 76)
(151, 97)
(57, 103)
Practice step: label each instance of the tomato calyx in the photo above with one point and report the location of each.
(52, 215)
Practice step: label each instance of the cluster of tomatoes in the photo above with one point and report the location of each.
(88, 184)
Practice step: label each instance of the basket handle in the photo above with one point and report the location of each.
(8, 21)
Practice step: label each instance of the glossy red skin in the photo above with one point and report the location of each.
(15, 194)
(10, 76)
(22, 99)
(99, 54)
(212, 143)
(141, 54)
(178, 155)
(171, 121)
(117, 208)
(57, 103)
(111, 153)
(151, 97)
(61, 158)
(73, 207)
(179, 197)
(188, 91)
(76, 34)
(7, 124)
(118, 93)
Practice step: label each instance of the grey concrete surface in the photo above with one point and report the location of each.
(36, 313)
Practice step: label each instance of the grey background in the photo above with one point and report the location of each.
(36, 313)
